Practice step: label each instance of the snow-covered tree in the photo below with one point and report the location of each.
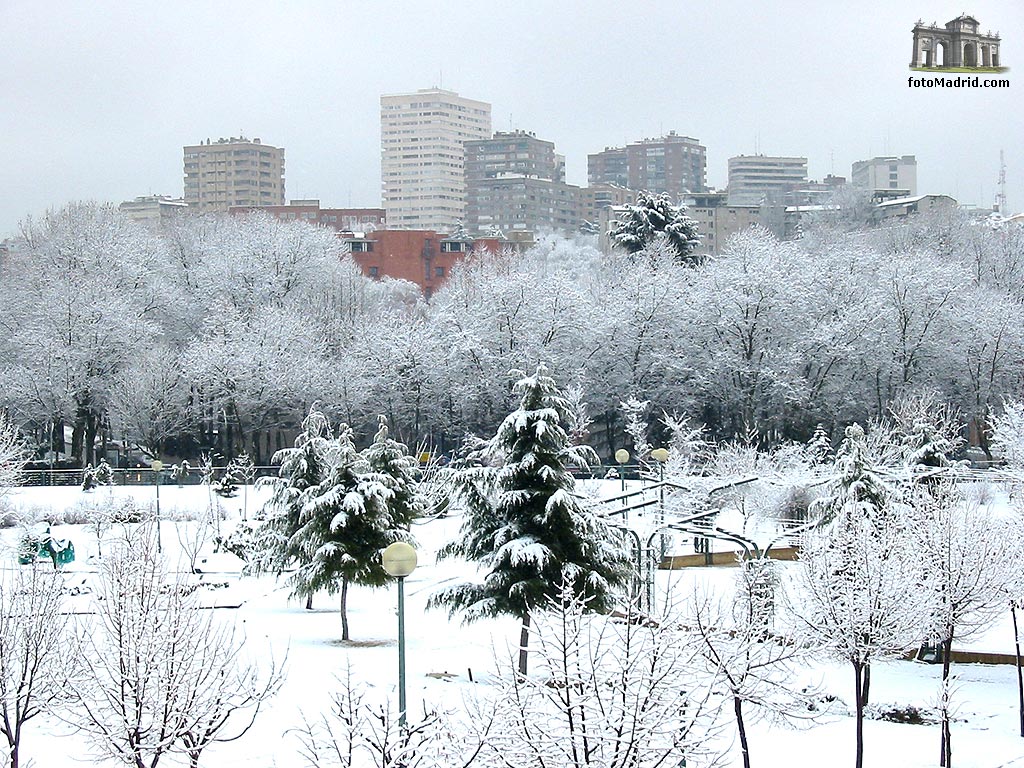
(634, 414)
(524, 524)
(357, 727)
(302, 467)
(157, 675)
(606, 694)
(928, 429)
(151, 400)
(857, 490)
(820, 444)
(349, 517)
(34, 632)
(1008, 433)
(753, 670)
(12, 454)
(654, 218)
(862, 594)
(969, 554)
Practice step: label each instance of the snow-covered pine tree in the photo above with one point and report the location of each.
(928, 429)
(654, 217)
(301, 468)
(400, 473)
(524, 523)
(857, 490)
(820, 445)
(346, 520)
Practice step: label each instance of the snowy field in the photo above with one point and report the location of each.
(443, 655)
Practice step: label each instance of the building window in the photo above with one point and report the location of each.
(361, 246)
(438, 271)
(374, 271)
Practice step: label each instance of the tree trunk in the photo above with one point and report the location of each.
(737, 705)
(309, 602)
(946, 756)
(344, 609)
(1020, 675)
(866, 690)
(14, 755)
(859, 696)
(524, 641)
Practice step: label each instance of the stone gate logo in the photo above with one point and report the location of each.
(956, 47)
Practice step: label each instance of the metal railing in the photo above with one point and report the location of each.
(132, 476)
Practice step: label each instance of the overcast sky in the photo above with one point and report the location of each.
(98, 98)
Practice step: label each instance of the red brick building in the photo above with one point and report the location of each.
(338, 219)
(420, 256)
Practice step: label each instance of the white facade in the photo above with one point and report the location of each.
(422, 134)
(754, 177)
(886, 173)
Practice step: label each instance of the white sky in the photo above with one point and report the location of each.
(98, 98)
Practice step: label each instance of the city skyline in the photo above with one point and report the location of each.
(104, 102)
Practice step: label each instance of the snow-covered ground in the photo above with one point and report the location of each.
(442, 654)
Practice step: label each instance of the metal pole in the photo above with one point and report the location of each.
(159, 539)
(401, 652)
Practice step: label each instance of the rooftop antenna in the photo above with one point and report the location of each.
(1000, 206)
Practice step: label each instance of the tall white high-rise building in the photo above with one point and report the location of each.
(423, 178)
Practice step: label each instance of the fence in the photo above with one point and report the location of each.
(137, 476)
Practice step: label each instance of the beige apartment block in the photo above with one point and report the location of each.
(753, 178)
(422, 140)
(886, 173)
(233, 172)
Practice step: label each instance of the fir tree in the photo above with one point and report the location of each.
(524, 523)
(302, 467)
(400, 473)
(819, 446)
(653, 218)
(348, 518)
(857, 490)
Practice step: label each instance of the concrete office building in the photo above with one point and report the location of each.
(233, 172)
(423, 137)
(754, 178)
(886, 173)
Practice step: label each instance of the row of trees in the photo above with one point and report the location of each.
(219, 333)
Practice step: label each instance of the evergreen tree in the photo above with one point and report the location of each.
(400, 473)
(653, 218)
(302, 467)
(857, 490)
(524, 523)
(350, 516)
(820, 445)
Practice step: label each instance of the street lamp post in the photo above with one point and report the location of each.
(660, 455)
(622, 456)
(399, 560)
(158, 467)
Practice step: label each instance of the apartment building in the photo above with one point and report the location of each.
(233, 172)
(515, 183)
(672, 164)
(338, 219)
(423, 137)
(754, 178)
(153, 209)
(886, 173)
(717, 220)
